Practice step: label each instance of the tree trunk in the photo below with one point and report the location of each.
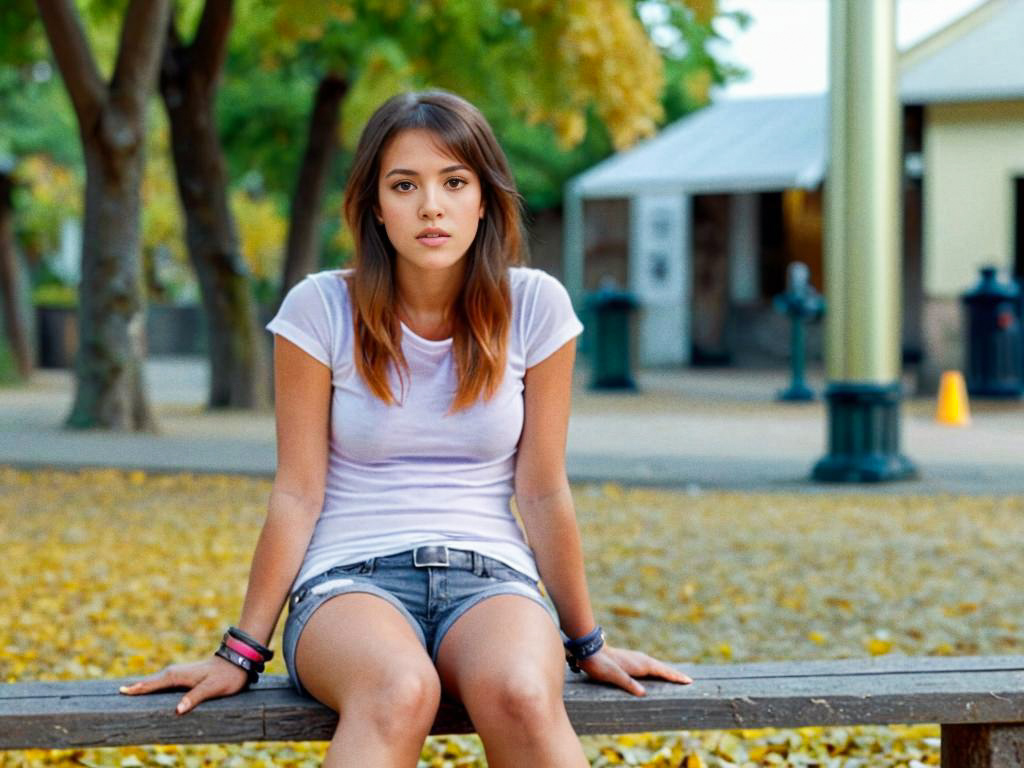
(321, 145)
(112, 124)
(239, 366)
(110, 390)
(17, 334)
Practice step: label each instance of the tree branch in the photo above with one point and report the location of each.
(74, 58)
(139, 52)
(211, 41)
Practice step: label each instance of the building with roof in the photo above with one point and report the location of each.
(701, 221)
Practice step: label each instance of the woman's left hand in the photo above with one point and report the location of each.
(619, 666)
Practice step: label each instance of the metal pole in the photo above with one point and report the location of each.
(862, 247)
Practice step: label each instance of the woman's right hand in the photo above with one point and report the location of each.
(209, 679)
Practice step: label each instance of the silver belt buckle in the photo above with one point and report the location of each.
(436, 556)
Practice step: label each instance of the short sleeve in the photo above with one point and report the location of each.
(303, 319)
(549, 320)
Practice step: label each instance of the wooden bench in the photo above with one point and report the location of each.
(979, 702)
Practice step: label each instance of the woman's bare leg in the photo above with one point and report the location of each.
(504, 659)
(359, 656)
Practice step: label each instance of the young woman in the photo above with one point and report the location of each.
(416, 394)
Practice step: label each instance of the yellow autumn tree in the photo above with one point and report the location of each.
(599, 54)
(547, 60)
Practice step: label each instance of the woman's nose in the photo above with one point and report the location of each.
(430, 208)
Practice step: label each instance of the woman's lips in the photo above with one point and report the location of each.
(432, 241)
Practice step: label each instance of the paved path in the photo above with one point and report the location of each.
(687, 428)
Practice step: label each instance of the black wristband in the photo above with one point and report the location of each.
(252, 669)
(249, 640)
(582, 648)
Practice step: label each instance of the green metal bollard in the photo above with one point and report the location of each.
(802, 304)
(611, 357)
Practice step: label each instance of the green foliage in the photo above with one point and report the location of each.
(36, 114)
(102, 20)
(337, 247)
(263, 126)
(20, 42)
(385, 71)
(48, 194)
(186, 17)
(8, 368)
(541, 166)
(55, 295)
(38, 131)
(685, 33)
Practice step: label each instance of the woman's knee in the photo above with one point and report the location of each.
(402, 699)
(526, 696)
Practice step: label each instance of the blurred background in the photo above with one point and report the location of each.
(611, 113)
(248, 129)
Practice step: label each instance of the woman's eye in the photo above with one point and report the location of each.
(403, 186)
(455, 183)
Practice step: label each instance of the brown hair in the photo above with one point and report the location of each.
(483, 307)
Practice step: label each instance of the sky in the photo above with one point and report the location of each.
(785, 46)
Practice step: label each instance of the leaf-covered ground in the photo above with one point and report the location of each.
(110, 573)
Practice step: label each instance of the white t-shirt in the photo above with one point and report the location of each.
(407, 475)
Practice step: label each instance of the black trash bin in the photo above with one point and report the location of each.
(611, 311)
(995, 350)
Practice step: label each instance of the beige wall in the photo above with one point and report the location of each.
(972, 154)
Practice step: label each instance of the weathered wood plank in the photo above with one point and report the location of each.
(982, 746)
(777, 694)
(892, 664)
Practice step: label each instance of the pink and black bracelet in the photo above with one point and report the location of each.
(245, 652)
(239, 647)
(250, 641)
(252, 668)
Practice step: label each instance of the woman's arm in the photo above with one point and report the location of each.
(302, 394)
(545, 504)
(302, 388)
(543, 497)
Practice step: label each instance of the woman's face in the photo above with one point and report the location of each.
(429, 202)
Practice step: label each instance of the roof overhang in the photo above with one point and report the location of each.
(748, 145)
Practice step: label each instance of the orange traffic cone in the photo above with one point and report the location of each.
(953, 409)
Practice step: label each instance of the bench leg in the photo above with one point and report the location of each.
(983, 746)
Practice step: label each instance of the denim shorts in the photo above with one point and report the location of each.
(428, 593)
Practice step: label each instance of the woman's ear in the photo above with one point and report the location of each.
(377, 215)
